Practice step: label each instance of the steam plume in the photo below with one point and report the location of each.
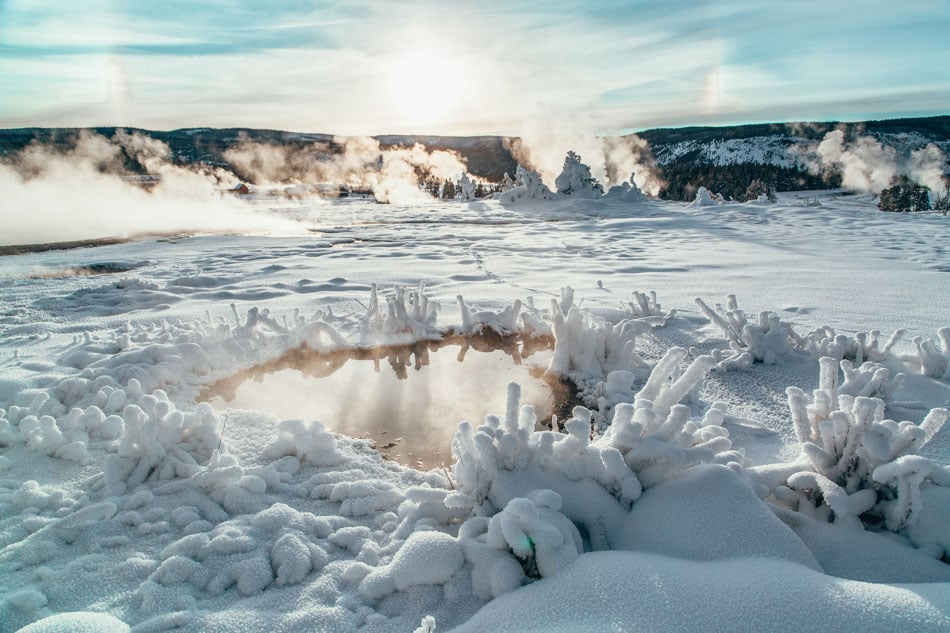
(868, 166)
(87, 192)
(611, 160)
(392, 174)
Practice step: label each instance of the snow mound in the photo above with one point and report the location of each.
(734, 592)
(709, 513)
(704, 199)
(426, 558)
(528, 186)
(877, 557)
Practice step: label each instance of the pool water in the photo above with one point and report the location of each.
(408, 400)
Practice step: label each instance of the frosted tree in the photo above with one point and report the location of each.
(704, 199)
(507, 183)
(466, 188)
(576, 180)
(528, 187)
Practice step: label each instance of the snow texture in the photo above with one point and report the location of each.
(738, 587)
(128, 501)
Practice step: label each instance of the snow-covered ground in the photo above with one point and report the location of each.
(121, 493)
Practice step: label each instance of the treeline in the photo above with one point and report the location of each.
(935, 127)
(908, 197)
(734, 181)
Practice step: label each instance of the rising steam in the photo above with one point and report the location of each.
(611, 159)
(89, 191)
(393, 174)
(868, 166)
(93, 188)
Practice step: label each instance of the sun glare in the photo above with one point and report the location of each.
(426, 86)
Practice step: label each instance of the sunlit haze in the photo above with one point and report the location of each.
(371, 67)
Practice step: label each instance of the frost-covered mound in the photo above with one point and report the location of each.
(627, 192)
(704, 199)
(528, 186)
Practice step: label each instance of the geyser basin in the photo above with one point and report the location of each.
(407, 399)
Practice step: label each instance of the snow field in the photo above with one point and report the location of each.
(120, 493)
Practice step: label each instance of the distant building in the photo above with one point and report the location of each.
(240, 190)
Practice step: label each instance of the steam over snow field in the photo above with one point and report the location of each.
(758, 445)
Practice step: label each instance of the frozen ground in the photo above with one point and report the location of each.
(120, 493)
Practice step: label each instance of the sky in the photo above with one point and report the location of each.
(468, 67)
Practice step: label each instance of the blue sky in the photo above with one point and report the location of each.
(375, 66)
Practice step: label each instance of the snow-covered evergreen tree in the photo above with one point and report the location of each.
(466, 188)
(576, 180)
(704, 199)
(528, 187)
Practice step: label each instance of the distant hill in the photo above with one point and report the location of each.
(724, 159)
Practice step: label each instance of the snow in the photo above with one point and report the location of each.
(688, 471)
(633, 591)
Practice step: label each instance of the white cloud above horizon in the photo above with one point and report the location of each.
(371, 67)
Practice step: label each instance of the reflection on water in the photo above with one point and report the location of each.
(407, 399)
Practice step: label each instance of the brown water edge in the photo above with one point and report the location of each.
(407, 399)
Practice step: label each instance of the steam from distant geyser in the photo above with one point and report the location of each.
(392, 174)
(611, 159)
(868, 166)
(52, 195)
(87, 192)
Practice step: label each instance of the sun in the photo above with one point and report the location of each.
(426, 86)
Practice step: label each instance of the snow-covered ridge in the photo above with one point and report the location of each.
(779, 150)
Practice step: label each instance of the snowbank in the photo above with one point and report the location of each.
(594, 594)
